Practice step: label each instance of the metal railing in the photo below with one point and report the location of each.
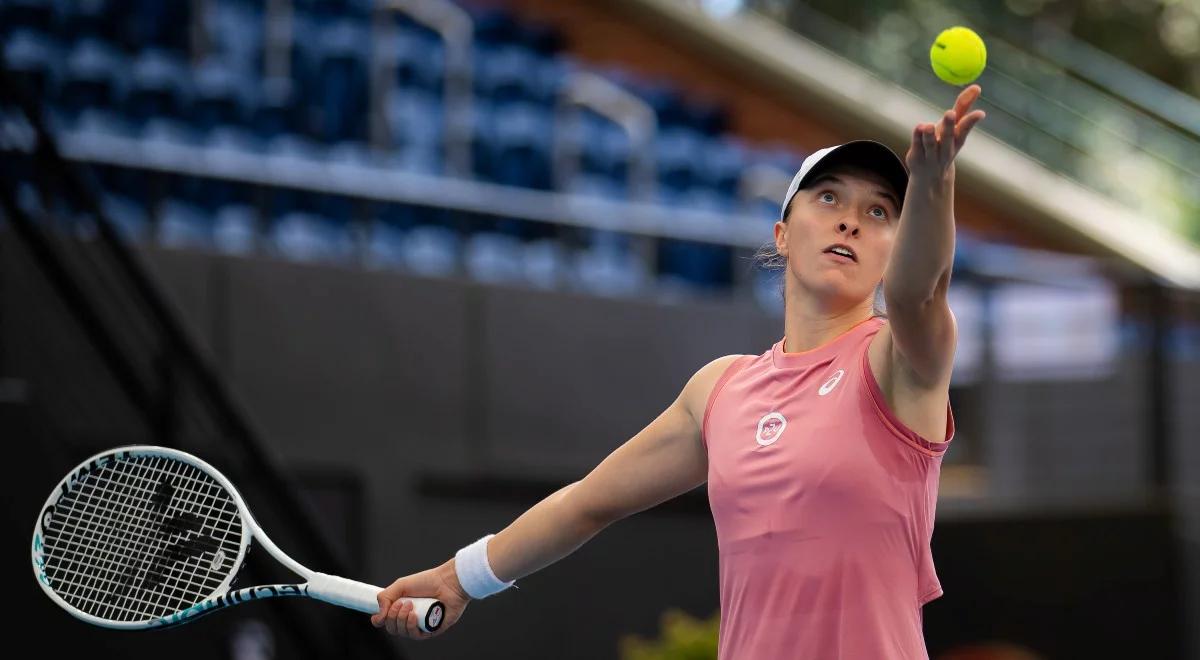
(457, 32)
(633, 115)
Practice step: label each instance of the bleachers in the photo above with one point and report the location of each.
(136, 78)
(130, 68)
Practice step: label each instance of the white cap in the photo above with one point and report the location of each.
(867, 154)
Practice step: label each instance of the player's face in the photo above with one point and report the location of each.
(850, 206)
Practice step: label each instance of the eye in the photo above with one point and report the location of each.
(882, 215)
(831, 197)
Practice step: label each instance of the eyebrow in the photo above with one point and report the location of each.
(879, 192)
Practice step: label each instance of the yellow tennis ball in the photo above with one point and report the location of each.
(958, 55)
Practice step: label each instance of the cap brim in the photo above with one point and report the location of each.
(869, 155)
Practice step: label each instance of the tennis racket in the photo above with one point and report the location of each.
(145, 537)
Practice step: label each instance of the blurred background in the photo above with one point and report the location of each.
(402, 268)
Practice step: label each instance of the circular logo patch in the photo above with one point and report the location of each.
(770, 427)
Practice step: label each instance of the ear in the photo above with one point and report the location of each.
(781, 228)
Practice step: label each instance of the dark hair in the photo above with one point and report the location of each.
(768, 258)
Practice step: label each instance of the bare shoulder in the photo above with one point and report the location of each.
(699, 386)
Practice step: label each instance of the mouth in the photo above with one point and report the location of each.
(841, 252)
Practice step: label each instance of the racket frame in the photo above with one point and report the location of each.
(332, 589)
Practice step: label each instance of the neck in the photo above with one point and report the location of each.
(809, 324)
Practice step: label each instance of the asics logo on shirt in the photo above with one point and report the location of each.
(831, 383)
(770, 427)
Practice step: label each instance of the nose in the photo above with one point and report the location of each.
(845, 225)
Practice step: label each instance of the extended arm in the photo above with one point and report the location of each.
(917, 280)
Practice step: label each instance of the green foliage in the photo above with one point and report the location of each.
(682, 638)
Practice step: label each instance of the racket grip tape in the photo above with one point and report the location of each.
(364, 598)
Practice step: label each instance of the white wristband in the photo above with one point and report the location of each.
(475, 573)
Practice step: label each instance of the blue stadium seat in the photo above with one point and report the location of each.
(34, 60)
(520, 146)
(97, 121)
(235, 230)
(275, 112)
(432, 251)
(609, 269)
(93, 78)
(666, 100)
(337, 97)
(548, 76)
(604, 148)
(493, 258)
(183, 225)
(234, 35)
(159, 87)
(415, 123)
(308, 237)
(170, 131)
(701, 265)
(678, 154)
(385, 245)
(722, 165)
(545, 263)
(223, 96)
(507, 74)
(420, 60)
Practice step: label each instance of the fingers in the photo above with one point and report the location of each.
(400, 619)
(379, 618)
(965, 99)
(965, 126)
(395, 617)
(928, 141)
(946, 137)
(413, 630)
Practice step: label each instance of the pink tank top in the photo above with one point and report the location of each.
(823, 503)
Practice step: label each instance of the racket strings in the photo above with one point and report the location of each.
(149, 574)
(140, 538)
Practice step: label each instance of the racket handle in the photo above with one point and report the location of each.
(364, 598)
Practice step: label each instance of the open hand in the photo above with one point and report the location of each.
(934, 146)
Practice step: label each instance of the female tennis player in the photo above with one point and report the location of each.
(822, 454)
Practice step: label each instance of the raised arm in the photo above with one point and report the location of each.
(665, 459)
